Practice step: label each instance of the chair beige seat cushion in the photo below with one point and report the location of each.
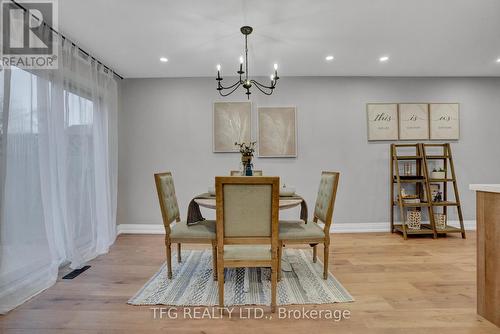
(201, 230)
(297, 229)
(247, 252)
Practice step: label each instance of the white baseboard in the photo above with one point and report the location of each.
(470, 225)
(141, 229)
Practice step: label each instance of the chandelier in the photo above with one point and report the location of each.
(245, 81)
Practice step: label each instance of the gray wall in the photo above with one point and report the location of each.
(166, 125)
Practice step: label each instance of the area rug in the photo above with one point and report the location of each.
(193, 285)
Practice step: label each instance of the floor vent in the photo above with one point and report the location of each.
(75, 272)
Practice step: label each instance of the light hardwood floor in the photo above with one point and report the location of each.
(415, 286)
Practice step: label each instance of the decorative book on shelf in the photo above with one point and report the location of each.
(426, 185)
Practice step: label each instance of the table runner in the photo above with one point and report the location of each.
(194, 213)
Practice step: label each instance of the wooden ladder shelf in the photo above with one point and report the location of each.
(422, 181)
(446, 158)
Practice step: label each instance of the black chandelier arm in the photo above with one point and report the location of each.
(258, 84)
(262, 90)
(238, 84)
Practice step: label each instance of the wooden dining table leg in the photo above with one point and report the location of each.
(315, 253)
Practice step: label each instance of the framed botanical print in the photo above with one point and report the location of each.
(231, 123)
(413, 121)
(444, 121)
(382, 121)
(277, 132)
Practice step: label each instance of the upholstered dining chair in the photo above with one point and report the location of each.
(200, 233)
(247, 226)
(298, 232)
(238, 173)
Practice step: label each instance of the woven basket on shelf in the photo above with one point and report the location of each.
(440, 221)
(414, 220)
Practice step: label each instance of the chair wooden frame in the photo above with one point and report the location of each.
(272, 241)
(325, 240)
(257, 172)
(169, 240)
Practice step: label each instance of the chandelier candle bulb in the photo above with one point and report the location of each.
(240, 72)
(218, 76)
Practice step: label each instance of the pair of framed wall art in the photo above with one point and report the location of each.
(277, 129)
(413, 121)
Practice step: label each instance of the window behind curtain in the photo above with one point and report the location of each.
(23, 117)
(24, 242)
(79, 110)
(80, 168)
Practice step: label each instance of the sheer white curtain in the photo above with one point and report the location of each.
(58, 154)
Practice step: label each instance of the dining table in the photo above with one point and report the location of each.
(208, 200)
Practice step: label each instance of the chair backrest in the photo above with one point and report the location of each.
(238, 173)
(247, 210)
(168, 201)
(325, 201)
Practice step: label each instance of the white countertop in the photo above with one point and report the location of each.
(491, 188)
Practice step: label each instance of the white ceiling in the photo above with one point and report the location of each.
(421, 37)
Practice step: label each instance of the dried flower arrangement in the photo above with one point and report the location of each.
(246, 151)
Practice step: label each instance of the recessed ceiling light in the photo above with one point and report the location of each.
(329, 58)
(163, 59)
(498, 60)
(383, 59)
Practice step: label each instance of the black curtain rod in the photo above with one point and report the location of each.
(67, 39)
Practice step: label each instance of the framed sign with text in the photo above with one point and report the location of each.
(382, 121)
(413, 121)
(444, 121)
